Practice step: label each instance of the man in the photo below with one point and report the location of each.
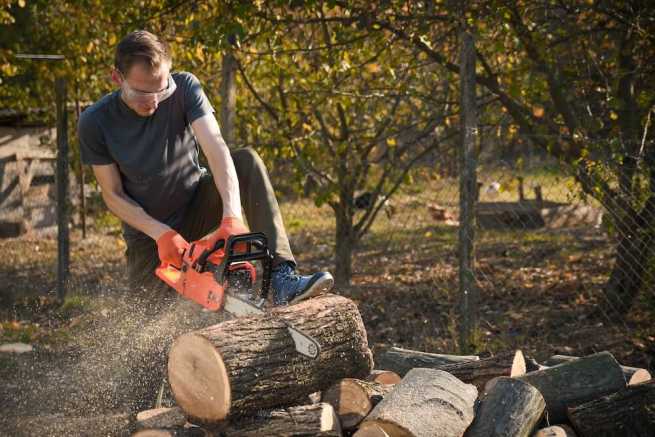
(142, 142)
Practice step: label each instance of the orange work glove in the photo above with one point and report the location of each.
(229, 226)
(170, 246)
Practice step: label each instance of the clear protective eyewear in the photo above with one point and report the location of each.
(143, 97)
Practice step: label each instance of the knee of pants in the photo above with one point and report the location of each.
(247, 158)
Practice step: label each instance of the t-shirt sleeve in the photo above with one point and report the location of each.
(196, 103)
(93, 149)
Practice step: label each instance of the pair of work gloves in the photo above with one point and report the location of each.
(171, 245)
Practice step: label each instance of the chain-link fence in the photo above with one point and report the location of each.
(547, 253)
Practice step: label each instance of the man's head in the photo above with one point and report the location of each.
(142, 70)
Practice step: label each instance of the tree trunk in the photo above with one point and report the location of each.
(345, 244)
(250, 364)
(630, 412)
(576, 382)
(510, 408)
(228, 92)
(426, 403)
(634, 253)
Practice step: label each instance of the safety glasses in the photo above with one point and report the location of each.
(143, 97)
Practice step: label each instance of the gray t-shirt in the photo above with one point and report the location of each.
(157, 155)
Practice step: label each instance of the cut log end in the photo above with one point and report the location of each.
(370, 430)
(209, 397)
(350, 402)
(639, 376)
(519, 366)
(384, 377)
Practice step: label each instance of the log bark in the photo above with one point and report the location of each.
(633, 375)
(160, 418)
(576, 382)
(479, 372)
(629, 412)
(556, 431)
(353, 399)
(511, 408)
(402, 361)
(249, 364)
(307, 420)
(384, 377)
(427, 402)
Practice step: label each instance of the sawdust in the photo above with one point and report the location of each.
(116, 365)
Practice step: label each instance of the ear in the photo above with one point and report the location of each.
(116, 77)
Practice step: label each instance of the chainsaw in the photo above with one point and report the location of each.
(223, 277)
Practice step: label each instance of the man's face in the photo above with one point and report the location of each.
(139, 87)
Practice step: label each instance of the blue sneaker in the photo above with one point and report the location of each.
(290, 287)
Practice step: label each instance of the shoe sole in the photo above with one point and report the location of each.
(322, 285)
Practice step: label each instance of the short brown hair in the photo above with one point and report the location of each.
(141, 46)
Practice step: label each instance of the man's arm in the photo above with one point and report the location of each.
(122, 205)
(220, 163)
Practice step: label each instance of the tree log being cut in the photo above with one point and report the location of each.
(402, 361)
(510, 408)
(481, 371)
(426, 403)
(249, 364)
(353, 399)
(629, 412)
(576, 382)
(633, 375)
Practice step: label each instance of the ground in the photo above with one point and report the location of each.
(93, 357)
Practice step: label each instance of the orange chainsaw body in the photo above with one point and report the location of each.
(203, 275)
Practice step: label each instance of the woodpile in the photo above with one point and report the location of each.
(243, 377)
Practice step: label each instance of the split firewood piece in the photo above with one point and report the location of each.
(384, 377)
(402, 361)
(307, 420)
(250, 364)
(371, 430)
(173, 432)
(160, 418)
(353, 399)
(427, 402)
(556, 431)
(576, 382)
(633, 375)
(511, 408)
(479, 372)
(629, 412)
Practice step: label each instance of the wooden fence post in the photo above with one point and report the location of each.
(63, 247)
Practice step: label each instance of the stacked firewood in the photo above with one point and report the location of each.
(243, 377)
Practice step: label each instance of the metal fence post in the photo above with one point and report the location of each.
(63, 246)
(468, 184)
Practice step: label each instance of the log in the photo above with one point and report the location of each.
(384, 377)
(629, 412)
(511, 408)
(633, 375)
(173, 432)
(556, 431)
(307, 420)
(576, 382)
(371, 430)
(427, 402)
(402, 361)
(160, 418)
(352, 399)
(481, 371)
(250, 364)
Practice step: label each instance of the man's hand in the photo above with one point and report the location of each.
(229, 226)
(171, 246)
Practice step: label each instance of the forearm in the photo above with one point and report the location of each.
(133, 214)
